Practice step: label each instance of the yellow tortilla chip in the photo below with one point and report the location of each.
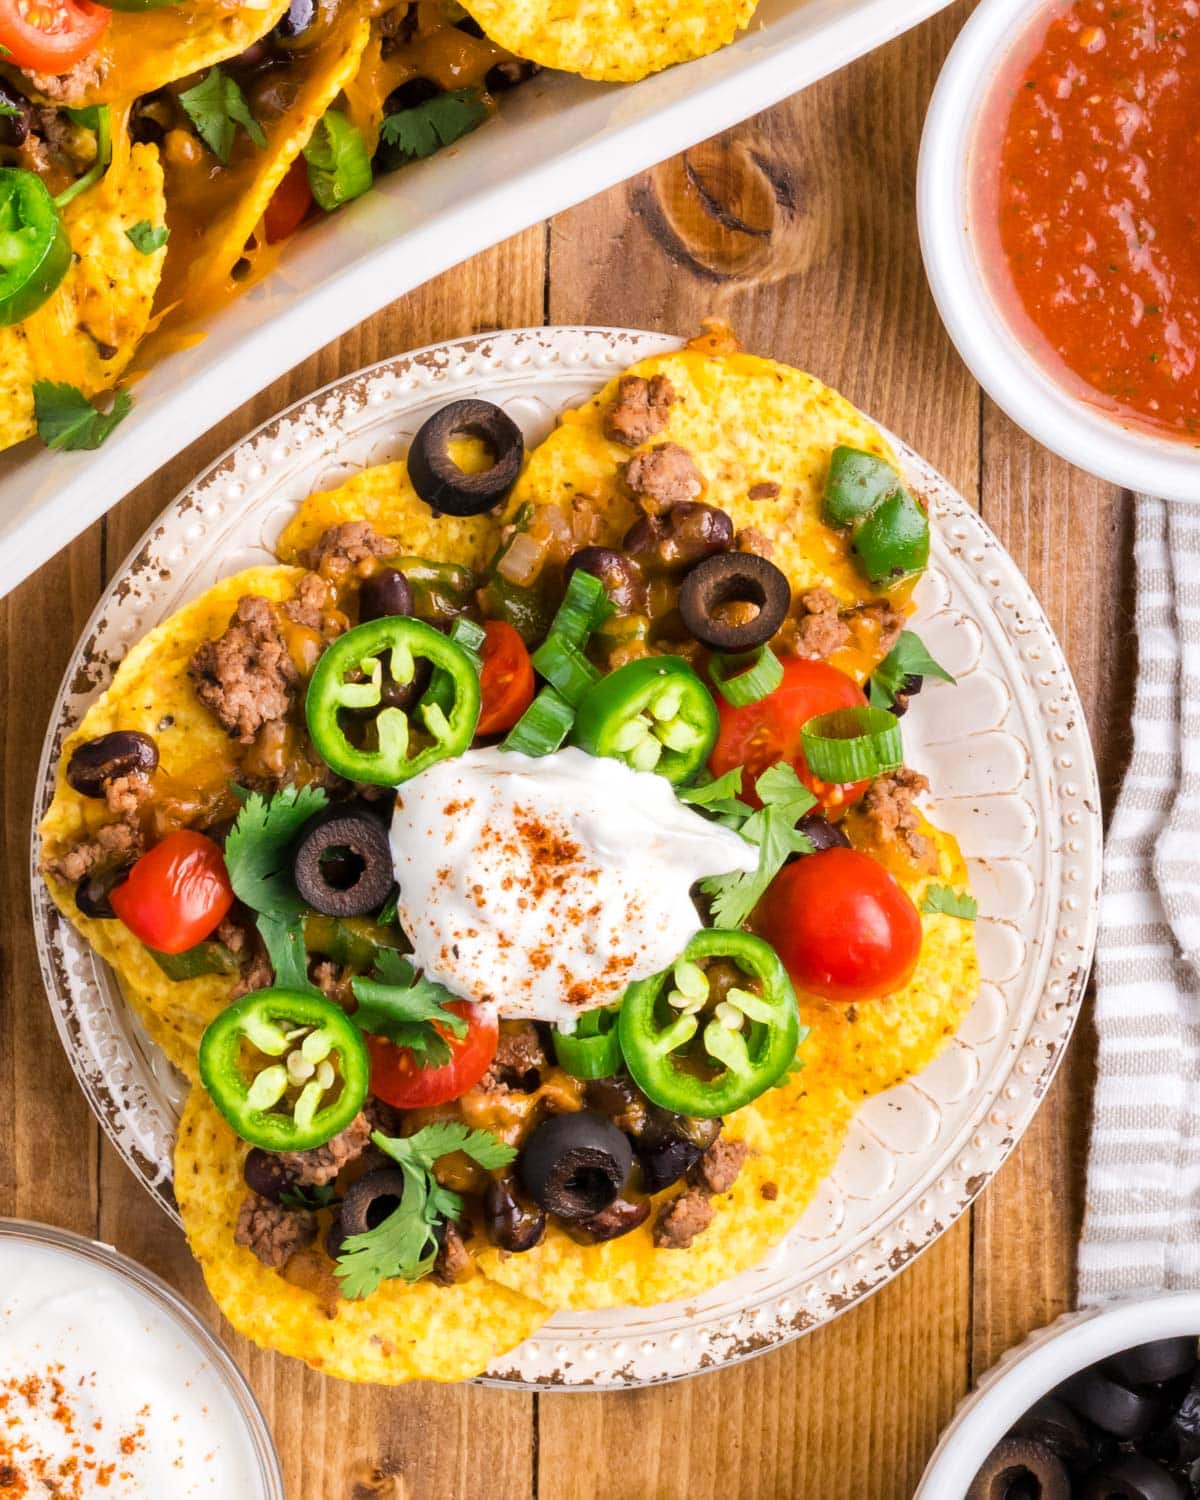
(215, 216)
(615, 41)
(794, 1133)
(746, 422)
(87, 332)
(384, 497)
(152, 693)
(401, 1332)
(144, 50)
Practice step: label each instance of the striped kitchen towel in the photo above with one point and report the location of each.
(1141, 1232)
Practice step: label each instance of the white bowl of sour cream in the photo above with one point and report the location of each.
(113, 1382)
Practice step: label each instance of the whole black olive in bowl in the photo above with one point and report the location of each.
(1020, 1469)
(576, 1164)
(1130, 1476)
(96, 763)
(711, 590)
(343, 863)
(620, 575)
(449, 490)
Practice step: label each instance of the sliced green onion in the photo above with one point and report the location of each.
(98, 118)
(593, 1049)
(852, 744)
(565, 667)
(440, 692)
(747, 677)
(585, 605)
(543, 726)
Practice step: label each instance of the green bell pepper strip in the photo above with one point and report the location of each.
(313, 1044)
(662, 1025)
(441, 591)
(654, 714)
(339, 164)
(35, 250)
(207, 957)
(354, 942)
(593, 1049)
(889, 529)
(360, 654)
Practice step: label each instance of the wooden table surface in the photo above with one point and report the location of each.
(798, 227)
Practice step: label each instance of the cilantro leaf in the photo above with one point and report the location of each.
(216, 107)
(259, 845)
(402, 1006)
(719, 797)
(434, 1141)
(148, 237)
(405, 1245)
(785, 800)
(68, 421)
(949, 902)
(907, 658)
(438, 122)
(283, 938)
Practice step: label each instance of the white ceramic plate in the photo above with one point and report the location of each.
(556, 141)
(1007, 752)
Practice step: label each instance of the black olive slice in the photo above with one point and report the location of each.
(343, 863)
(734, 578)
(666, 1161)
(1113, 1408)
(265, 1174)
(1129, 1476)
(1020, 1467)
(621, 1216)
(1149, 1364)
(371, 1200)
(439, 481)
(97, 762)
(513, 1224)
(1052, 1423)
(574, 1165)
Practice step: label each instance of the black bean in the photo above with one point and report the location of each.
(96, 763)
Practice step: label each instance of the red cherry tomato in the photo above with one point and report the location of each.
(50, 36)
(507, 678)
(400, 1081)
(291, 201)
(176, 893)
(764, 733)
(842, 925)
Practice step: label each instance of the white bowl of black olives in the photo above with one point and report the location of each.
(1102, 1405)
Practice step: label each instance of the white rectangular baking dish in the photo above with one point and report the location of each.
(555, 141)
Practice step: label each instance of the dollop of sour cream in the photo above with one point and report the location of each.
(542, 887)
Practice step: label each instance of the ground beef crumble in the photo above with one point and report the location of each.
(348, 544)
(323, 1163)
(641, 409)
(257, 974)
(663, 476)
(246, 676)
(682, 1219)
(310, 607)
(750, 539)
(453, 1261)
(892, 817)
(717, 1170)
(891, 622)
(765, 489)
(519, 1060)
(274, 1233)
(84, 78)
(112, 844)
(820, 629)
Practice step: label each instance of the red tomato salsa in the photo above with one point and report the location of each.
(1086, 204)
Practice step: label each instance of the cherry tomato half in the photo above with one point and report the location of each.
(176, 893)
(764, 733)
(290, 202)
(842, 925)
(507, 678)
(401, 1082)
(50, 36)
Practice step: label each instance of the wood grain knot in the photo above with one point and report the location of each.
(731, 209)
(380, 1481)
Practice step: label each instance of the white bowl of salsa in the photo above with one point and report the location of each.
(1060, 235)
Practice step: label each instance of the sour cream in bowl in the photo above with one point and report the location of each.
(542, 888)
(110, 1385)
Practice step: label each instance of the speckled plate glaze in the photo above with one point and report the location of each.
(1007, 752)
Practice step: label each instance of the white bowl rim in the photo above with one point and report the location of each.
(1028, 1372)
(991, 349)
